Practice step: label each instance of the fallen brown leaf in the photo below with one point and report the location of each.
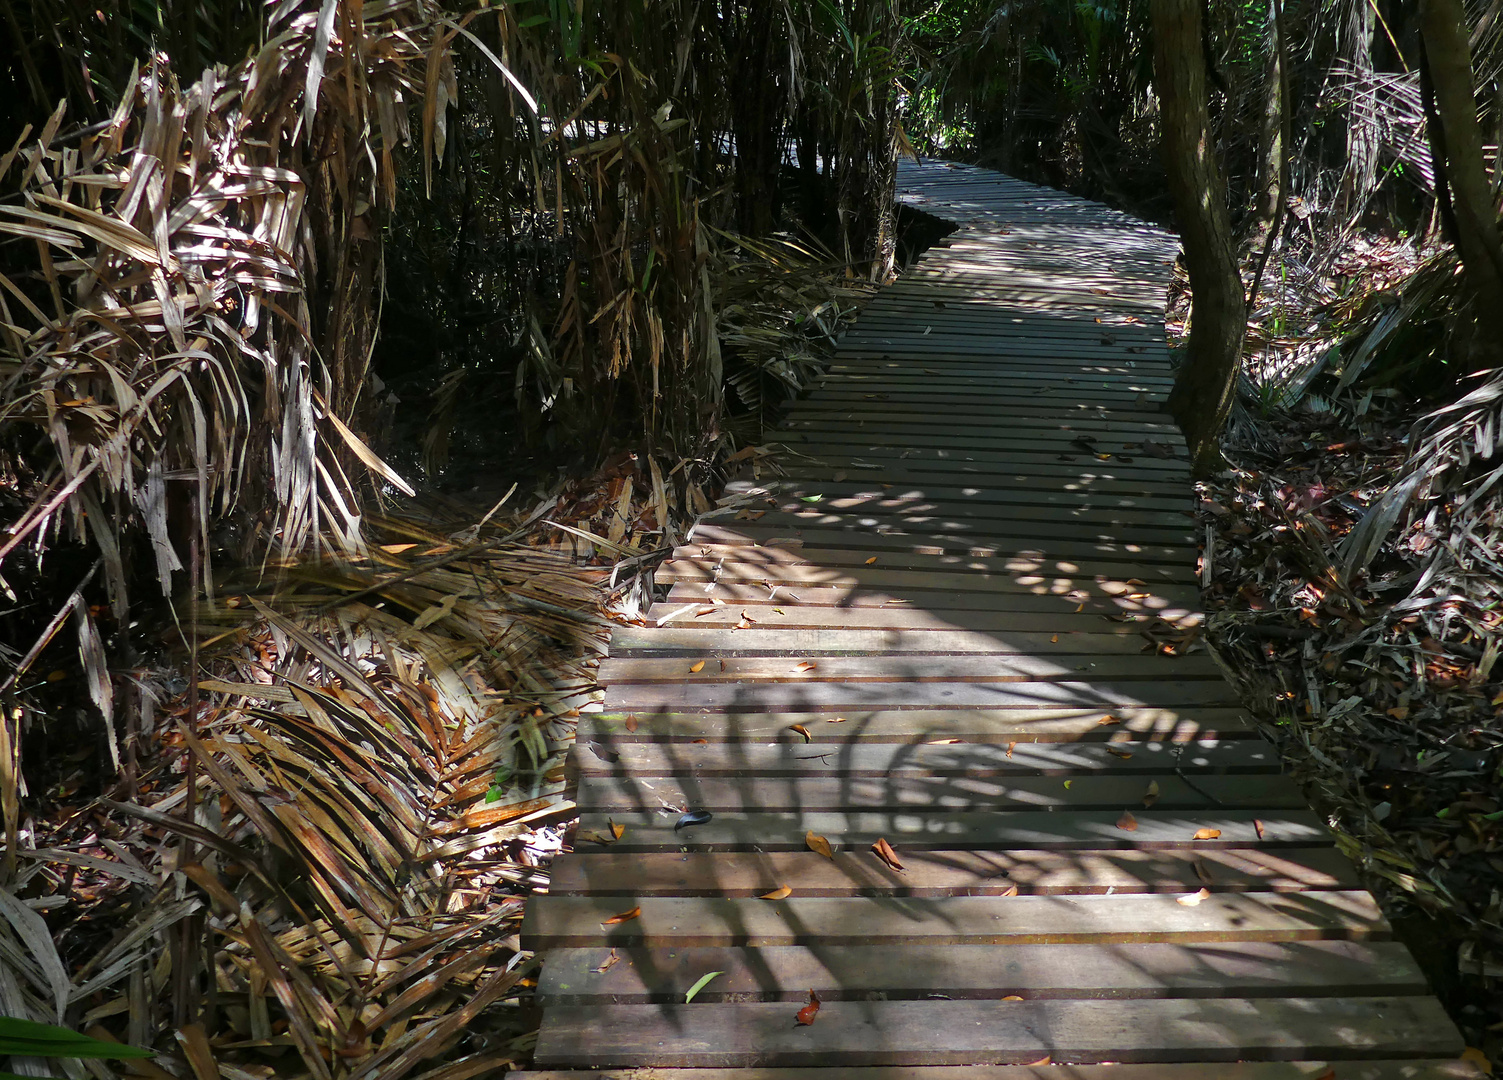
(625, 916)
(631, 722)
(1207, 834)
(807, 665)
(1108, 720)
(803, 731)
(1258, 826)
(1194, 898)
(871, 560)
(1116, 752)
(818, 843)
(1127, 822)
(608, 963)
(781, 893)
(1151, 796)
(697, 668)
(807, 1014)
(884, 852)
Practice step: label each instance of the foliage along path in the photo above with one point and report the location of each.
(963, 624)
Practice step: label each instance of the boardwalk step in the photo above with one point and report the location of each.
(1059, 667)
(749, 794)
(1050, 615)
(756, 640)
(816, 696)
(918, 727)
(923, 830)
(885, 972)
(935, 759)
(553, 922)
(1176, 871)
(1406, 1069)
(992, 1032)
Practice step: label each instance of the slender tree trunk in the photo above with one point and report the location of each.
(1269, 196)
(1459, 143)
(1202, 394)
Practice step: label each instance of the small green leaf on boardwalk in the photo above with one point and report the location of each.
(700, 985)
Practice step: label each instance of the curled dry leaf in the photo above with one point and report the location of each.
(807, 1014)
(1127, 822)
(616, 828)
(1194, 898)
(1257, 825)
(608, 963)
(885, 852)
(782, 892)
(834, 719)
(1108, 720)
(1011, 890)
(625, 916)
(807, 665)
(803, 731)
(598, 836)
(631, 722)
(1116, 751)
(1151, 796)
(1013, 997)
(1207, 834)
(870, 561)
(697, 668)
(1046, 1059)
(819, 844)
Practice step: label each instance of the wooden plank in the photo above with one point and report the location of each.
(985, 1032)
(825, 697)
(918, 726)
(948, 604)
(971, 532)
(620, 795)
(920, 829)
(977, 972)
(750, 795)
(757, 640)
(796, 758)
(940, 612)
(1407, 1069)
(1020, 667)
(574, 922)
(971, 493)
(952, 873)
(1007, 574)
(835, 547)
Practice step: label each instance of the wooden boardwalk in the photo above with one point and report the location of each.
(955, 626)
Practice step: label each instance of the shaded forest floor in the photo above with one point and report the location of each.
(1379, 684)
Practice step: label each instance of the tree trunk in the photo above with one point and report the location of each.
(1269, 196)
(1459, 143)
(1202, 394)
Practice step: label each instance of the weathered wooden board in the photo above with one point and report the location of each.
(1021, 667)
(1176, 871)
(976, 1032)
(855, 829)
(1406, 1069)
(940, 758)
(918, 726)
(574, 922)
(751, 794)
(961, 972)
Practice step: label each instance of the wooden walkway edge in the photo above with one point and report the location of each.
(961, 629)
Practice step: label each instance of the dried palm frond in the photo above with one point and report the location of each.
(366, 774)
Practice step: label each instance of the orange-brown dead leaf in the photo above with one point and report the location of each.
(617, 829)
(819, 844)
(1118, 752)
(1194, 898)
(807, 665)
(1151, 796)
(625, 916)
(1108, 720)
(697, 668)
(631, 722)
(871, 560)
(607, 963)
(804, 732)
(1207, 834)
(884, 852)
(1257, 825)
(781, 893)
(1127, 822)
(807, 1014)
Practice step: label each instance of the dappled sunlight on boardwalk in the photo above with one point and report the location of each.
(955, 635)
